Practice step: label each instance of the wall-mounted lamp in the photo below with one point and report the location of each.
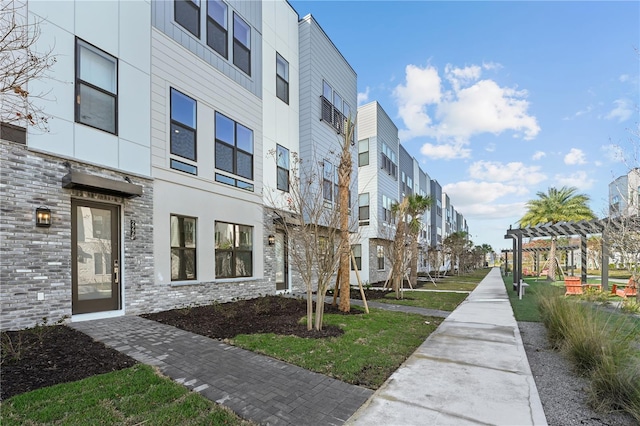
(43, 217)
(271, 239)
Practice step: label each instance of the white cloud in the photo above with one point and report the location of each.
(621, 112)
(538, 155)
(587, 110)
(445, 151)
(515, 172)
(624, 78)
(471, 107)
(575, 156)
(363, 97)
(490, 147)
(491, 66)
(580, 180)
(477, 199)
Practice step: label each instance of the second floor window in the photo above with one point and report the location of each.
(183, 125)
(282, 79)
(327, 181)
(282, 168)
(217, 28)
(187, 14)
(363, 152)
(363, 209)
(241, 44)
(96, 88)
(234, 147)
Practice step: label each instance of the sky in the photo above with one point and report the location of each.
(500, 100)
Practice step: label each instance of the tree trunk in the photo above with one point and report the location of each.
(309, 308)
(344, 181)
(413, 278)
(319, 309)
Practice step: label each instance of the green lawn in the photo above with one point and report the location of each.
(136, 395)
(372, 347)
(426, 299)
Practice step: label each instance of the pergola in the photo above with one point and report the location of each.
(538, 250)
(564, 229)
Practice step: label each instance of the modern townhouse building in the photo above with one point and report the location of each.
(199, 103)
(437, 235)
(77, 201)
(624, 194)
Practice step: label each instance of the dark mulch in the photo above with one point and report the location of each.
(46, 356)
(59, 354)
(267, 314)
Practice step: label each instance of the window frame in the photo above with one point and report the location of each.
(284, 186)
(234, 250)
(195, 4)
(183, 248)
(234, 148)
(284, 79)
(238, 44)
(185, 126)
(327, 181)
(79, 82)
(223, 28)
(357, 258)
(361, 162)
(364, 221)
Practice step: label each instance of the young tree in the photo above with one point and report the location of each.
(418, 205)
(21, 63)
(312, 230)
(457, 245)
(556, 205)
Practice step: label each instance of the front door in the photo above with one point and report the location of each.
(95, 252)
(282, 263)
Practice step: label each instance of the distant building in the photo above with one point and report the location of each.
(624, 194)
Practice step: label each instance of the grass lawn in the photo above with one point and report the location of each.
(372, 347)
(426, 299)
(451, 284)
(135, 395)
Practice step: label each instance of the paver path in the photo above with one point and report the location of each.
(257, 387)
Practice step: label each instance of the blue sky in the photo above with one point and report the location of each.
(500, 100)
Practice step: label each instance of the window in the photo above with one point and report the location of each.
(241, 44)
(233, 250)
(327, 181)
(217, 33)
(363, 209)
(187, 14)
(388, 162)
(183, 248)
(363, 152)
(334, 109)
(96, 88)
(357, 253)
(380, 255)
(282, 78)
(234, 148)
(282, 168)
(387, 203)
(183, 125)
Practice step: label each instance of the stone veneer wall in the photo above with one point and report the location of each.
(38, 260)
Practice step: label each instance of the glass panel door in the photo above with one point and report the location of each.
(96, 257)
(282, 266)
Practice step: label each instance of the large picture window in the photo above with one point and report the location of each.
(241, 44)
(96, 88)
(282, 168)
(183, 248)
(282, 78)
(217, 28)
(187, 14)
(183, 125)
(234, 147)
(233, 250)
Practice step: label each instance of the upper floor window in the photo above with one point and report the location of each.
(217, 28)
(96, 88)
(187, 14)
(387, 203)
(363, 152)
(334, 109)
(183, 248)
(388, 162)
(282, 168)
(282, 78)
(234, 147)
(183, 125)
(233, 250)
(363, 209)
(327, 181)
(241, 44)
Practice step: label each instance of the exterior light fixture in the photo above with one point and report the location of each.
(271, 239)
(43, 217)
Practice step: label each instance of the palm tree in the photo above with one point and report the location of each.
(556, 205)
(417, 206)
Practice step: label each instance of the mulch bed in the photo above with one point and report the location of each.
(59, 354)
(46, 356)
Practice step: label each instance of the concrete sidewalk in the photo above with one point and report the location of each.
(472, 370)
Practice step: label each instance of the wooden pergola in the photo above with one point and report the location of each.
(564, 229)
(537, 250)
